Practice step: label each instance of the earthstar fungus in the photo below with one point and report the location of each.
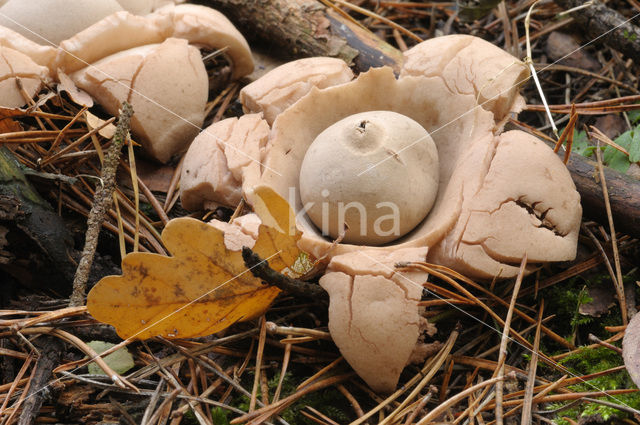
(154, 64)
(499, 194)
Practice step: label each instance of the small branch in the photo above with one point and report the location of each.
(618, 282)
(101, 204)
(260, 269)
(503, 343)
(49, 176)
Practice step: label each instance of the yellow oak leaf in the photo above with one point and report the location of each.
(203, 287)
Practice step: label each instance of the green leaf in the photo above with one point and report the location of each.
(581, 144)
(634, 116)
(120, 360)
(615, 159)
(634, 148)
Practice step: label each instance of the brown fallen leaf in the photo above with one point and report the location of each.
(7, 124)
(565, 49)
(631, 348)
(204, 287)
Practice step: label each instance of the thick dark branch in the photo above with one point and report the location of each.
(51, 350)
(599, 19)
(302, 28)
(260, 269)
(624, 195)
(31, 224)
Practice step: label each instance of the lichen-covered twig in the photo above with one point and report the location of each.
(260, 269)
(101, 203)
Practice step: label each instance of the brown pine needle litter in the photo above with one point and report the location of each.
(515, 352)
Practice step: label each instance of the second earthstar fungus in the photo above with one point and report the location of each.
(153, 62)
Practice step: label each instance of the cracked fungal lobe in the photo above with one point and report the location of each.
(471, 65)
(218, 160)
(478, 171)
(526, 203)
(14, 65)
(373, 316)
(161, 82)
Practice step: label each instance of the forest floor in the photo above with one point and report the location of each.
(569, 314)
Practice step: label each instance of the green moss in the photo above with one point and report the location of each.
(592, 360)
(219, 416)
(565, 301)
(189, 418)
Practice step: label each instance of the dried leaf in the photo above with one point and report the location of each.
(80, 97)
(94, 122)
(204, 287)
(631, 348)
(7, 124)
(602, 299)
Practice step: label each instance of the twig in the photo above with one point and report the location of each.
(319, 373)
(260, 415)
(260, 269)
(352, 400)
(533, 365)
(423, 402)
(126, 417)
(434, 367)
(259, 353)
(428, 366)
(82, 346)
(560, 383)
(148, 393)
(322, 418)
(283, 372)
(604, 24)
(102, 202)
(595, 339)
(290, 331)
(505, 338)
(380, 18)
(148, 412)
(435, 271)
(601, 250)
(529, 62)
(619, 284)
(435, 413)
(49, 176)
(621, 407)
(18, 381)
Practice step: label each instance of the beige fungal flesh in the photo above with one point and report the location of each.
(374, 316)
(165, 83)
(370, 208)
(283, 86)
(14, 65)
(219, 159)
